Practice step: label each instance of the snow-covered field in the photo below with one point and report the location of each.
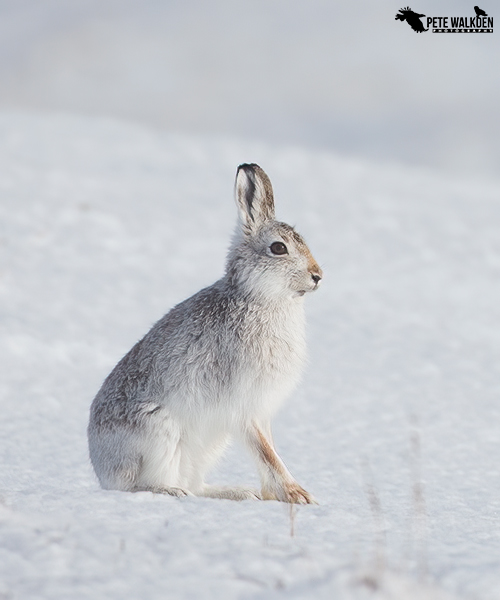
(395, 429)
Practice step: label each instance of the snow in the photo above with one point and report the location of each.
(105, 225)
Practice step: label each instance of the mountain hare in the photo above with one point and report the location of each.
(217, 365)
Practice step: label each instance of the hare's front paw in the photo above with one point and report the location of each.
(292, 493)
(229, 493)
(177, 492)
(296, 494)
(170, 491)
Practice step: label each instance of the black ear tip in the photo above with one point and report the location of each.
(249, 168)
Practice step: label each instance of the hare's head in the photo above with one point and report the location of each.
(267, 258)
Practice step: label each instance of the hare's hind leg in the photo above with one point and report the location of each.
(116, 463)
(116, 473)
(161, 450)
(143, 458)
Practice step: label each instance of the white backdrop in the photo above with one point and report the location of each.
(341, 75)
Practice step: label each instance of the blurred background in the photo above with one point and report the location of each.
(342, 76)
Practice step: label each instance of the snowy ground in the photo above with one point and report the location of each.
(104, 226)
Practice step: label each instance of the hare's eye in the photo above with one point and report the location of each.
(278, 248)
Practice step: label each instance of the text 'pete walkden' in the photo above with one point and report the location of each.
(461, 24)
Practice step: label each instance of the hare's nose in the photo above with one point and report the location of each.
(316, 278)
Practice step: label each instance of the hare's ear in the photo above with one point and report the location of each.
(254, 197)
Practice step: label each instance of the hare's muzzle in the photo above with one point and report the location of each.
(316, 276)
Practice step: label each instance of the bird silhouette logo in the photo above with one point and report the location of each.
(480, 12)
(412, 18)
